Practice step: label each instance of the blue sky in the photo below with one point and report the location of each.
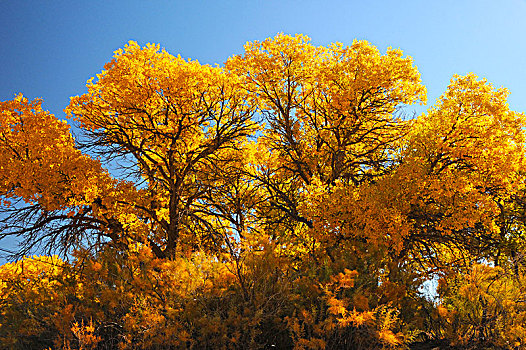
(50, 48)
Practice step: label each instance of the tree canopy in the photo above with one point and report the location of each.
(284, 199)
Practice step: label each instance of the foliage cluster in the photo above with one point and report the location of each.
(282, 200)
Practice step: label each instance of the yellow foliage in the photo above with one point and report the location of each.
(484, 304)
(280, 200)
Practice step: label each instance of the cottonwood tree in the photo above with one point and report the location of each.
(283, 199)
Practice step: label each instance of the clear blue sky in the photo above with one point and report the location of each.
(50, 48)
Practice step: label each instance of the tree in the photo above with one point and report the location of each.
(47, 183)
(284, 200)
(183, 124)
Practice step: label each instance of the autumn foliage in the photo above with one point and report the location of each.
(283, 200)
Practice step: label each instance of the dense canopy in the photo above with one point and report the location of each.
(285, 199)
